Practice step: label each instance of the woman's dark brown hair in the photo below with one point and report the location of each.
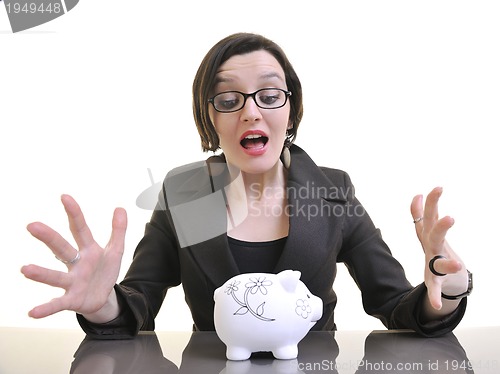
(239, 44)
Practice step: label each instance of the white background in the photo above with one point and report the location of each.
(403, 95)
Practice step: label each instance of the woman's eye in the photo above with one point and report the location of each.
(228, 104)
(268, 99)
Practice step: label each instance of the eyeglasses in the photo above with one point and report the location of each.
(265, 98)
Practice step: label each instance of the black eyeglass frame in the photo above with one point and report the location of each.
(252, 95)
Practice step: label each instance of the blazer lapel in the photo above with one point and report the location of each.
(215, 259)
(316, 208)
(196, 201)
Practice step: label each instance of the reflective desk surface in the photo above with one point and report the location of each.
(28, 351)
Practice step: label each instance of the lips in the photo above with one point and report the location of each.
(254, 142)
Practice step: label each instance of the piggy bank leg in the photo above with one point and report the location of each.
(237, 353)
(286, 352)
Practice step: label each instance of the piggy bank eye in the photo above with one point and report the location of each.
(308, 296)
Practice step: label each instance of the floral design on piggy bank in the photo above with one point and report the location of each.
(261, 312)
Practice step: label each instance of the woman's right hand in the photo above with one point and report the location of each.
(89, 281)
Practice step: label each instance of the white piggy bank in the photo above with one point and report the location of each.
(259, 312)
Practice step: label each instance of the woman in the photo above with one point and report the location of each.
(262, 205)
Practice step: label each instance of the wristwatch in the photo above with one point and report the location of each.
(462, 295)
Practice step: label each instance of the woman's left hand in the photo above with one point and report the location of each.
(431, 231)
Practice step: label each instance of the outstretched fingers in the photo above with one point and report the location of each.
(437, 233)
(52, 307)
(417, 212)
(431, 230)
(50, 277)
(431, 212)
(52, 239)
(77, 224)
(91, 270)
(426, 215)
(444, 270)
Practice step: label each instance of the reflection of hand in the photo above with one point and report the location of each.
(89, 282)
(97, 363)
(431, 231)
(408, 352)
(143, 354)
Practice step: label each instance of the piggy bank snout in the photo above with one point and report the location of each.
(317, 308)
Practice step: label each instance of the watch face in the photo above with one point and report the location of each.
(462, 295)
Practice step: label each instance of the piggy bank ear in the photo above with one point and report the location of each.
(289, 280)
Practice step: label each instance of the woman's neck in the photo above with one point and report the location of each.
(258, 186)
(257, 205)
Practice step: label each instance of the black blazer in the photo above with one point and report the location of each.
(185, 243)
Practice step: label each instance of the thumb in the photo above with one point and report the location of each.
(434, 295)
(119, 227)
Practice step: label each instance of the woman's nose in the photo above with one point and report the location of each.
(250, 111)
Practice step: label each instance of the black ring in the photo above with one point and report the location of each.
(431, 266)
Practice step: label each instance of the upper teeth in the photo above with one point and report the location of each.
(253, 136)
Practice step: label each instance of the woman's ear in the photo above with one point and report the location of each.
(211, 116)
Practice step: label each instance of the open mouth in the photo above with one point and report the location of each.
(254, 141)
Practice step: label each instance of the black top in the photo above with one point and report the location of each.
(186, 243)
(256, 257)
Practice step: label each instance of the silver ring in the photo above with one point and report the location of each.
(71, 262)
(418, 219)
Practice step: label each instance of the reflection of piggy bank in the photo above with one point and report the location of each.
(262, 367)
(264, 312)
